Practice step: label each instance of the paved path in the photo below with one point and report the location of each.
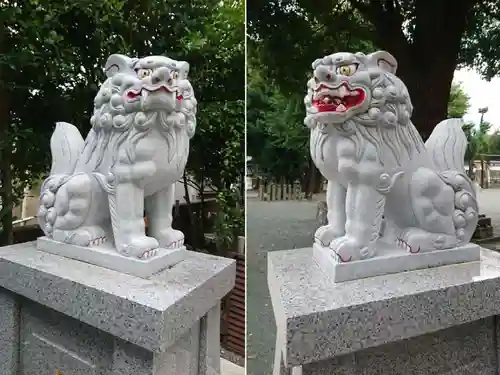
(229, 368)
(270, 226)
(286, 225)
(489, 204)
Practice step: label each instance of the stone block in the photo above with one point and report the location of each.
(82, 319)
(391, 259)
(323, 326)
(9, 332)
(105, 255)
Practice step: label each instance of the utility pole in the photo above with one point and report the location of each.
(482, 111)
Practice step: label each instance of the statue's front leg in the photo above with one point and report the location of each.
(335, 201)
(364, 211)
(126, 204)
(159, 212)
(365, 202)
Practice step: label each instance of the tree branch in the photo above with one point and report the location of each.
(388, 24)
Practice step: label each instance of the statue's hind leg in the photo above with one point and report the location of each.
(66, 210)
(159, 212)
(433, 203)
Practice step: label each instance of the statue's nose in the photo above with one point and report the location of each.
(324, 74)
(161, 75)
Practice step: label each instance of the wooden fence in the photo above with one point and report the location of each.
(233, 319)
(281, 192)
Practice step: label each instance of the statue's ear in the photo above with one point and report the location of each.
(118, 64)
(384, 60)
(183, 68)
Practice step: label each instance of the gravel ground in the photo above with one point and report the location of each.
(287, 225)
(489, 204)
(270, 226)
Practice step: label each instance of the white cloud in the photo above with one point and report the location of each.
(482, 94)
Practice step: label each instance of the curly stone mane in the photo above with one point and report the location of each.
(387, 120)
(113, 128)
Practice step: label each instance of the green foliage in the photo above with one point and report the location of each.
(458, 104)
(230, 220)
(494, 143)
(478, 139)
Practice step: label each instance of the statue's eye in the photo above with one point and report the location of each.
(142, 73)
(347, 70)
(175, 75)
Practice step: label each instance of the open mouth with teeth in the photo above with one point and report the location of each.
(134, 94)
(337, 100)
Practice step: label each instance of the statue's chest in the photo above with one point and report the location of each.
(328, 149)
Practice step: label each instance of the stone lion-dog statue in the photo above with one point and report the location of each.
(383, 180)
(98, 188)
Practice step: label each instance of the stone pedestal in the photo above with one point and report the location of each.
(440, 321)
(61, 316)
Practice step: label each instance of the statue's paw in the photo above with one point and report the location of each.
(142, 247)
(85, 236)
(326, 234)
(347, 249)
(170, 238)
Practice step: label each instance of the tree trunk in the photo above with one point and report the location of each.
(6, 196)
(426, 63)
(7, 200)
(189, 208)
(435, 84)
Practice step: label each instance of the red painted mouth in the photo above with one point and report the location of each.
(135, 94)
(331, 102)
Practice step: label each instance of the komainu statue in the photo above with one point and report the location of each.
(385, 185)
(138, 146)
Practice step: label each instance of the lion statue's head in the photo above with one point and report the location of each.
(359, 94)
(140, 93)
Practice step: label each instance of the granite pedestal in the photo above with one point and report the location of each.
(61, 316)
(439, 321)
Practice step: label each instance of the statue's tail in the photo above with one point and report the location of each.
(66, 146)
(446, 147)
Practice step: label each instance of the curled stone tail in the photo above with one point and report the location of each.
(465, 216)
(447, 145)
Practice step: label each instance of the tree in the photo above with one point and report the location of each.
(458, 104)
(276, 137)
(429, 40)
(50, 63)
(494, 143)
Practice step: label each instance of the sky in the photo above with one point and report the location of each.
(482, 94)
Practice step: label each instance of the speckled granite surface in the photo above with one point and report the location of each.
(76, 317)
(9, 332)
(146, 312)
(466, 349)
(318, 320)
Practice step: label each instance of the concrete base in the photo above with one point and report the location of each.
(391, 259)
(106, 256)
(441, 320)
(58, 314)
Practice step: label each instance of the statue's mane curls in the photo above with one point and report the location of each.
(386, 124)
